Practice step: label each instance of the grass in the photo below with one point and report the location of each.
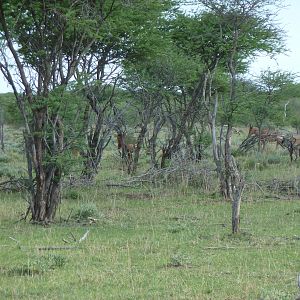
(144, 247)
(164, 242)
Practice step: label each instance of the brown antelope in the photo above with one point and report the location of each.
(127, 149)
(264, 134)
(255, 131)
(275, 138)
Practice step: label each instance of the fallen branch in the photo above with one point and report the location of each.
(84, 236)
(58, 248)
(180, 169)
(15, 240)
(118, 185)
(219, 248)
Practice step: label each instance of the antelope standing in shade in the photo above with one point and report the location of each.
(126, 148)
(127, 151)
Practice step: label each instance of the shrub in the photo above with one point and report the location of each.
(274, 160)
(86, 210)
(274, 294)
(72, 195)
(49, 262)
(4, 158)
(250, 163)
(258, 163)
(38, 265)
(179, 260)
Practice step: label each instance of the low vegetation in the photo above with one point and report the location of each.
(138, 158)
(157, 241)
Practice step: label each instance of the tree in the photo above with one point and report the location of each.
(293, 113)
(47, 41)
(58, 47)
(265, 103)
(125, 39)
(242, 28)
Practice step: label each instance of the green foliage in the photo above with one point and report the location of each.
(49, 262)
(274, 159)
(275, 294)
(72, 194)
(266, 97)
(4, 158)
(293, 113)
(258, 162)
(9, 109)
(86, 210)
(209, 35)
(38, 265)
(136, 249)
(179, 260)
(9, 172)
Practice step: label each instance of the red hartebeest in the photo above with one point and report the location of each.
(126, 150)
(255, 131)
(264, 134)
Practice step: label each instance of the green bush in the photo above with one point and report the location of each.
(9, 171)
(179, 260)
(86, 210)
(10, 110)
(38, 265)
(274, 160)
(250, 163)
(49, 262)
(4, 158)
(259, 163)
(72, 195)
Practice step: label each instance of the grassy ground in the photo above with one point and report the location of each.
(145, 247)
(166, 242)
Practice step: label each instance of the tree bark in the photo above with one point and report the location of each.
(2, 129)
(158, 123)
(138, 146)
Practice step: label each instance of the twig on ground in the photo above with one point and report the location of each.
(84, 236)
(58, 248)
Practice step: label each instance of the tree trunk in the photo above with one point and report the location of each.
(217, 151)
(189, 145)
(158, 123)
(97, 141)
(227, 162)
(2, 129)
(237, 187)
(46, 195)
(234, 182)
(138, 147)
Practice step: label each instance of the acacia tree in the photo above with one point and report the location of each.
(128, 37)
(223, 37)
(161, 87)
(293, 113)
(47, 41)
(146, 101)
(245, 29)
(267, 98)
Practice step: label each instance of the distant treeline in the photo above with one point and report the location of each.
(10, 110)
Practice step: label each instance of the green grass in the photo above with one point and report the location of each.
(172, 241)
(145, 247)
